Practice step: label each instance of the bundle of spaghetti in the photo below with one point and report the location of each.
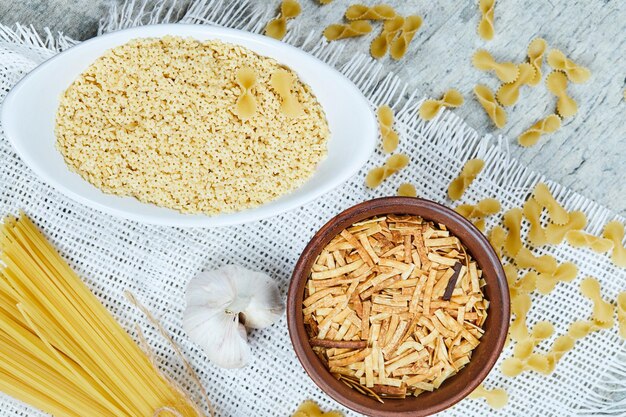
(60, 349)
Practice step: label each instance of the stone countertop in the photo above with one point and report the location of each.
(588, 154)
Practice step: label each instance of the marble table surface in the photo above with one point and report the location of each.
(588, 154)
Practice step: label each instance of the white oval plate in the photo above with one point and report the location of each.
(29, 111)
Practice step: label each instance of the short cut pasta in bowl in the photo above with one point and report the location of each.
(189, 125)
(398, 306)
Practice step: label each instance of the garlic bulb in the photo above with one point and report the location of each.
(222, 303)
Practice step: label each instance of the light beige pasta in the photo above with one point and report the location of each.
(506, 72)
(377, 12)
(555, 233)
(508, 94)
(614, 231)
(399, 46)
(543, 196)
(375, 177)
(497, 237)
(430, 108)
(523, 358)
(536, 50)
(544, 264)
(245, 106)
(485, 207)
(349, 30)
(621, 314)
(530, 137)
(495, 398)
(486, 28)
(390, 138)
(517, 286)
(324, 2)
(532, 213)
(602, 310)
(394, 163)
(282, 81)
(487, 99)
(556, 82)
(574, 72)
(470, 171)
(580, 329)
(579, 239)
(380, 44)
(277, 28)
(407, 190)
(513, 222)
(565, 272)
(520, 306)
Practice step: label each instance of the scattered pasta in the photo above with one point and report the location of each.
(508, 94)
(277, 28)
(545, 264)
(282, 81)
(349, 30)
(377, 12)
(543, 196)
(532, 212)
(523, 358)
(390, 137)
(565, 272)
(495, 398)
(513, 222)
(506, 72)
(430, 108)
(614, 231)
(487, 99)
(621, 314)
(530, 137)
(470, 171)
(407, 190)
(497, 237)
(581, 328)
(520, 306)
(310, 409)
(536, 50)
(602, 310)
(579, 239)
(380, 44)
(485, 26)
(555, 233)
(478, 212)
(556, 82)
(246, 103)
(518, 286)
(574, 72)
(401, 44)
(393, 164)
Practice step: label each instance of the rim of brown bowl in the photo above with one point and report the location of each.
(484, 356)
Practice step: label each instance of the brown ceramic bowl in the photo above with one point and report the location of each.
(485, 355)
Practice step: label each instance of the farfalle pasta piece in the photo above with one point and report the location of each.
(530, 137)
(470, 171)
(497, 237)
(574, 72)
(495, 398)
(544, 197)
(310, 409)
(487, 99)
(407, 190)
(349, 30)
(564, 272)
(579, 239)
(377, 12)
(245, 106)
(524, 348)
(517, 286)
(508, 94)
(556, 233)
(277, 28)
(532, 212)
(556, 82)
(621, 314)
(486, 28)
(520, 306)
(536, 50)
(523, 358)
(513, 222)
(390, 138)
(282, 81)
(580, 329)
(602, 310)
(430, 108)
(485, 207)
(401, 44)
(394, 163)
(506, 72)
(614, 231)
(545, 264)
(380, 44)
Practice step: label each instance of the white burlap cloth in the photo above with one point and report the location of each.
(155, 263)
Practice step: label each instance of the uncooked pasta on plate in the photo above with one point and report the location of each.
(194, 126)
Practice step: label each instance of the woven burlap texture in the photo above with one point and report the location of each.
(155, 263)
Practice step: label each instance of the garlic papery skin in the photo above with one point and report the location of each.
(220, 305)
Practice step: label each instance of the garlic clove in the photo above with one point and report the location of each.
(212, 289)
(265, 306)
